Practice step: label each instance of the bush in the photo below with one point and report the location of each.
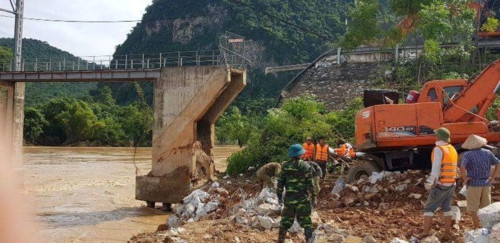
(297, 119)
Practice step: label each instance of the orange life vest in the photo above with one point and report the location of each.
(448, 163)
(308, 155)
(345, 151)
(321, 153)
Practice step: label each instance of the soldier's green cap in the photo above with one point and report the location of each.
(442, 134)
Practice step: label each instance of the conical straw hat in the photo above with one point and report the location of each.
(474, 142)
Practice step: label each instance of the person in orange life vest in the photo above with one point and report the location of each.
(441, 182)
(321, 155)
(309, 147)
(345, 150)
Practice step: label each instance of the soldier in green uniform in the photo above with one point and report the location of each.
(296, 179)
(317, 175)
(266, 173)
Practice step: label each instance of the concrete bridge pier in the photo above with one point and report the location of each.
(188, 101)
(11, 122)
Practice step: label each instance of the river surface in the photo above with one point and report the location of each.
(87, 194)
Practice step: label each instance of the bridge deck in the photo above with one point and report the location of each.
(82, 76)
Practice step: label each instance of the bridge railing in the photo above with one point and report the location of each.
(126, 62)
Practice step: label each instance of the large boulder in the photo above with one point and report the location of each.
(490, 215)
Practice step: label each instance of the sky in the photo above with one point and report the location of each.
(80, 39)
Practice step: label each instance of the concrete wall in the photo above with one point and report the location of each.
(187, 103)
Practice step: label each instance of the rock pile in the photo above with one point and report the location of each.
(258, 212)
(199, 204)
(381, 188)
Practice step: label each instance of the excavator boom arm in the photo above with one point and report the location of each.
(481, 91)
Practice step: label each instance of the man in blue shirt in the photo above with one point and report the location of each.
(477, 175)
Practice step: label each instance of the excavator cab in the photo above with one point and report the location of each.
(441, 90)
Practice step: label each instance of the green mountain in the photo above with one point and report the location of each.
(276, 32)
(38, 93)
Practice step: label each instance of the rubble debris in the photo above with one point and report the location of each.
(490, 215)
(369, 239)
(379, 188)
(173, 221)
(339, 185)
(242, 204)
(477, 236)
(198, 204)
(495, 233)
(455, 213)
(462, 204)
(463, 191)
(266, 222)
(203, 166)
(431, 239)
(397, 240)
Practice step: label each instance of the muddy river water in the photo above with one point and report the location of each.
(87, 194)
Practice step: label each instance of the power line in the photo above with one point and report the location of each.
(74, 21)
(110, 21)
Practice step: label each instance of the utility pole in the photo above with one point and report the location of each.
(18, 34)
(19, 89)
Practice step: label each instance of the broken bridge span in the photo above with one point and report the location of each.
(189, 98)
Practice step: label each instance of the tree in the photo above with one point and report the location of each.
(54, 133)
(233, 126)
(439, 21)
(446, 21)
(34, 124)
(363, 27)
(6, 56)
(137, 123)
(79, 122)
(408, 8)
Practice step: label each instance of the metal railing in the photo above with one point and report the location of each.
(126, 62)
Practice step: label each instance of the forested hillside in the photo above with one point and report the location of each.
(43, 92)
(281, 32)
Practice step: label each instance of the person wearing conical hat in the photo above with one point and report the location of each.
(477, 175)
(441, 182)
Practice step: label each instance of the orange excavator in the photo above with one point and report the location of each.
(400, 136)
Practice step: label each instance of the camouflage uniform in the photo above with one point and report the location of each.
(266, 172)
(317, 175)
(297, 178)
